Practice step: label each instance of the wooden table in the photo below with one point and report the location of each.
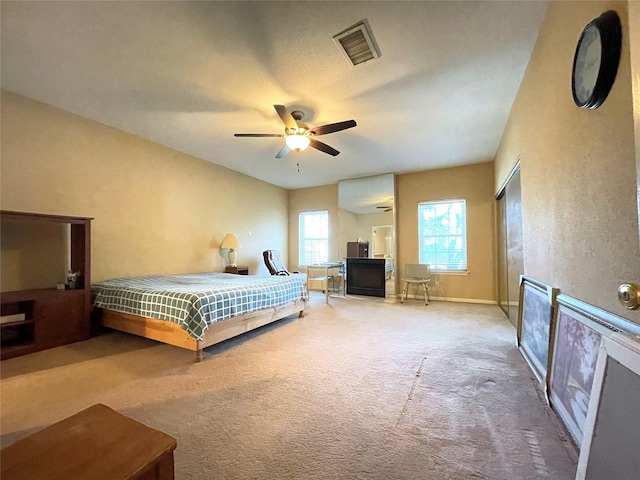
(95, 444)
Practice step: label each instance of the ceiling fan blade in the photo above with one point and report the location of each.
(323, 147)
(333, 127)
(283, 151)
(257, 135)
(286, 117)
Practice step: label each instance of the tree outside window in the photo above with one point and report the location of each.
(442, 235)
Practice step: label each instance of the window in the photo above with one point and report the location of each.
(442, 235)
(314, 237)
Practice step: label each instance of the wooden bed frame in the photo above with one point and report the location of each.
(171, 333)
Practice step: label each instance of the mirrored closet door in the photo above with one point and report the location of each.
(367, 222)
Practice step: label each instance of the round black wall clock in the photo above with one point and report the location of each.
(595, 62)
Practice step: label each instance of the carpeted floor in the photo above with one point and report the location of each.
(362, 388)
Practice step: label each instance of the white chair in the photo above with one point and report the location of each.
(416, 274)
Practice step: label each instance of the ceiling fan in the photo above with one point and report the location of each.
(387, 208)
(298, 135)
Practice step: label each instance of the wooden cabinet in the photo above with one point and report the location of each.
(34, 320)
(60, 320)
(365, 276)
(357, 249)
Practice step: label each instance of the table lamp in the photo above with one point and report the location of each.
(231, 241)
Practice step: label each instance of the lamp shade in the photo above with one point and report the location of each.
(231, 240)
(297, 142)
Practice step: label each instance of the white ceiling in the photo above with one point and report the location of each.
(189, 75)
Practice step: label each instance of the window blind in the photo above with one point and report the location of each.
(442, 235)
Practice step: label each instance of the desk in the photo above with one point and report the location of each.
(95, 444)
(323, 272)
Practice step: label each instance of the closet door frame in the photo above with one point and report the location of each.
(507, 285)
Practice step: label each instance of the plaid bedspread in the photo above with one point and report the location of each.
(196, 301)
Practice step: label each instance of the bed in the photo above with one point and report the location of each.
(389, 268)
(196, 311)
(389, 265)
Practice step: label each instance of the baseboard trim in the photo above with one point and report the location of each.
(454, 300)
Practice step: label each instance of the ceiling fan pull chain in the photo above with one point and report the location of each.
(298, 165)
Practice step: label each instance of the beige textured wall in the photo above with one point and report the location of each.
(157, 211)
(312, 200)
(354, 226)
(33, 254)
(348, 231)
(368, 221)
(577, 167)
(474, 183)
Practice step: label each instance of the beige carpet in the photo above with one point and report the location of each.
(363, 388)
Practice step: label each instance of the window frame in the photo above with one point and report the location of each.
(435, 266)
(302, 239)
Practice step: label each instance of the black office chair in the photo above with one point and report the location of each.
(274, 263)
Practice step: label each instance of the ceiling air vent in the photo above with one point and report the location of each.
(357, 43)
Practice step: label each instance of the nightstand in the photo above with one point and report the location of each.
(237, 270)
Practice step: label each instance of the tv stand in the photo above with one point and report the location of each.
(366, 276)
(38, 319)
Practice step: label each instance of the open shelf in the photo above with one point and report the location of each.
(15, 323)
(38, 319)
(17, 338)
(17, 330)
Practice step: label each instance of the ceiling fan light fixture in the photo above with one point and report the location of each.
(297, 135)
(297, 142)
